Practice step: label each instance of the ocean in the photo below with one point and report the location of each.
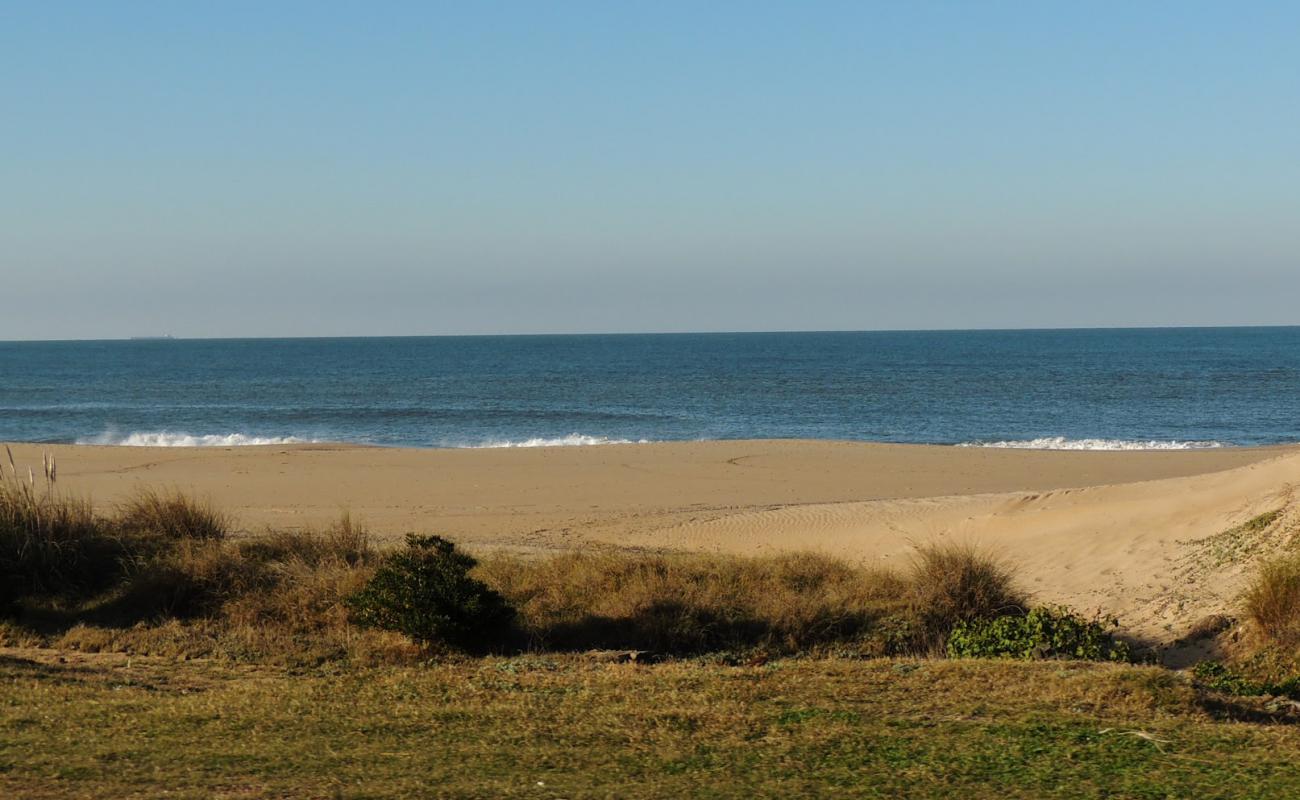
(1086, 389)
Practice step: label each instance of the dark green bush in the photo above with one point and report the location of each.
(426, 592)
(1044, 632)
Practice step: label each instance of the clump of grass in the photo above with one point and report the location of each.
(292, 578)
(1272, 601)
(172, 515)
(50, 543)
(289, 578)
(304, 578)
(1262, 521)
(685, 604)
(128, 579)
(277, 598)
(957, 583)
(189, 578)
(345, 541)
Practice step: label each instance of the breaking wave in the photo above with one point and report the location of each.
(1062, 443)
(572, 440)
(170, 439)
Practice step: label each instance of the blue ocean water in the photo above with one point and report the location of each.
(1060, 388)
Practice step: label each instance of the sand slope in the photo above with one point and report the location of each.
(1160, 554)
(1121, 532)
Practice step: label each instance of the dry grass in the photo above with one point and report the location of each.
(695, 603)
(128, 581)
(1272, 601)
(953, 583)
(278, 598)
(51, 544)
(345, 541)
(301, 579)
(172, 515)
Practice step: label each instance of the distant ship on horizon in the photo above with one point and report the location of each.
(166, 337)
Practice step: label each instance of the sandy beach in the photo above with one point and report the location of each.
(1115, 531)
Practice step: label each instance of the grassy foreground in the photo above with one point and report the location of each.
(106, 725)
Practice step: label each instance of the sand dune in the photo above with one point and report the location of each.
(1124, 532)
(1156, 553)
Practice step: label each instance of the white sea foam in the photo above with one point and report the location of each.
(572, 440)
(1062, 443)
(170, 439)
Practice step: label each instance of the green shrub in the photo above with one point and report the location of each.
(426, 592)
(1044, 632)
(1222, 678)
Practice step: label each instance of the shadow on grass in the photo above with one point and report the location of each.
(120, 612)
(1143, 649)
(673, 628)
(14, 667)
(1254, 710)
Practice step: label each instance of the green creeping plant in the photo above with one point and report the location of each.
(1044, 632)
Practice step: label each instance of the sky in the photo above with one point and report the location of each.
(317, 169)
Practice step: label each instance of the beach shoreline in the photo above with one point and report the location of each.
(464, 489)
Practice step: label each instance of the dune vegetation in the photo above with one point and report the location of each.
(162, 575)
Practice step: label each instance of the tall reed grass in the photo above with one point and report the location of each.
(50, 543)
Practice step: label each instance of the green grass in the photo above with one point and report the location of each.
(570, 727)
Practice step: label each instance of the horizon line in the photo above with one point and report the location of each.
(576, 334)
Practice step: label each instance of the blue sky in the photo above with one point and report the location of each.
(244, 169)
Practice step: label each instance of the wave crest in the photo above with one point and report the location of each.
(170, 439)
(1062, 443)
(572, 440)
